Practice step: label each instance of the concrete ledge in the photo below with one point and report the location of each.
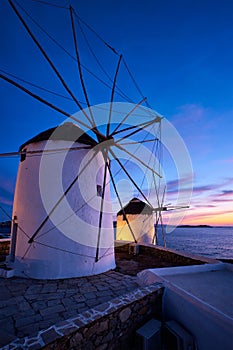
(151, 276)
(211, 328)
(200, 299)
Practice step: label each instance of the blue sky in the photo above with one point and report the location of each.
(181, 55)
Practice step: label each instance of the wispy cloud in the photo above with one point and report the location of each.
(228, 160)
(204, 188)
(6, 201)
(209, 214)
(226, 193)
(210, 203)
(204, 206)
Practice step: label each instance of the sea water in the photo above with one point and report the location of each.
(213, 242)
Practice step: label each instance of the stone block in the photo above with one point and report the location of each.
(6, 338)
(52, 310)
(45, 324)
(24, 305)
(103, 293)
(30, 329)
(67, 330)
(102, 307)
(7, 325)
(53, 302)
(92, 302)
(88, 346)
(102, 287)
(90, 295)
(79, 298)
(34, 346)
(76, 340)
(8, 311)
(24, 321)
(78, 322)
(124, 314)
(143, 310)
(108, 337)
(103, 326)
(24, 313)
(49, 336)
(39, 305)
(102, 347)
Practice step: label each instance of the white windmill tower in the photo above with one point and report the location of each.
(62, 225)
(52, 216)
(135, 222)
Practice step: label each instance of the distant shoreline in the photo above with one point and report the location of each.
(192, 226)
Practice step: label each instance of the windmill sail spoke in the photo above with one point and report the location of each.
(177, 207)
(138, 142)
(105, 154)
(55, 150)
(37, 97)
(47, 58)
(138, 127)
(138, 159)
(10, 154)
(112, 96)
(129, 176)
(42, 100)
(155, 236)
(61, 198)
(158, 212)
(162, 228)
(91, 119)
(120, 202)
(128, 115)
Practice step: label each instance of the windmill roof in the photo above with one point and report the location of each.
(67, 132)
(136, 206)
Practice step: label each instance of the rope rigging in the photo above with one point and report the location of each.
(38, 86)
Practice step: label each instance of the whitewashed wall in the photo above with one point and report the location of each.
(142, 226)
(66, 245)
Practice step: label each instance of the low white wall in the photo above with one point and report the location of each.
(210, 328)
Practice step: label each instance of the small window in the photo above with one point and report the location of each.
(99, 191)
(23, 155)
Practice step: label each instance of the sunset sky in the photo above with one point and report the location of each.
(180, 53)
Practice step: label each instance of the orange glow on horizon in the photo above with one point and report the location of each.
(205, 217)
(219, 220)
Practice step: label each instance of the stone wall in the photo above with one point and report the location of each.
(111, 325)
(4, 248)
(171, 256)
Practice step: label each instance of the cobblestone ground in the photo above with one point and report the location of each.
(27, 305)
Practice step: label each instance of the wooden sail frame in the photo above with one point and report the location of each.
(107, 144)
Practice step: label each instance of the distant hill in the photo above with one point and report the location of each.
(5, 224)
(5, 229)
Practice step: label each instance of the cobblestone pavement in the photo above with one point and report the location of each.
(28, 306)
